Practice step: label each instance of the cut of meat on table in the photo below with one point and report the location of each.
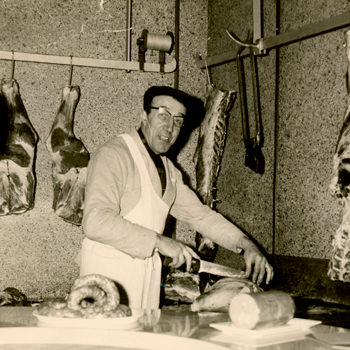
(181, 286)
(18, 140)
(339, 265)
(261, 310)
(69, 160)
(217, 298)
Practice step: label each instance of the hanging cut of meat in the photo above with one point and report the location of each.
(339, 265)
(18, 140)
(208, 154)
(69, 160)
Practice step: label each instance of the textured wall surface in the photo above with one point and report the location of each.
(38, 248)
(312, 102)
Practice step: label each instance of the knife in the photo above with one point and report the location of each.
(200, 266)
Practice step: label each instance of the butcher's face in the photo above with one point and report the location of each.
(162, 125)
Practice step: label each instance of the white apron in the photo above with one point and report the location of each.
(140, 278)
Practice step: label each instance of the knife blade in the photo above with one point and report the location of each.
(200, 266)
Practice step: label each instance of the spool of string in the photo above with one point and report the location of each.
(159, 42)
(162, 43)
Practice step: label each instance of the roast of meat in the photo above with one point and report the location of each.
(218, 296)
(339, 265)
(261, 310)
(208, 154)
(18, 140)
(69, 160)
(181, 287)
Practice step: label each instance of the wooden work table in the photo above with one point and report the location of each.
(174, 327)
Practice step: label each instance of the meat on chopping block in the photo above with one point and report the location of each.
(339, 265)
(208, 154)
(217, 298)
(69, 160)
(18, 140)
(181, 287)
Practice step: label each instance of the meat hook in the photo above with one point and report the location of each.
(71, 71)
(239, 41)
(13, 67)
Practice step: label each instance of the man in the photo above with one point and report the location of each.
(131, 189)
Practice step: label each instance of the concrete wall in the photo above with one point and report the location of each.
(311, 106)
(38, 248)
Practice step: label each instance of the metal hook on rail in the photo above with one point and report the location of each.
(71, 71)
(239, 41)
(258, 46)
(208, 74)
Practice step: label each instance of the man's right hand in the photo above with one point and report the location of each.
(178, 251)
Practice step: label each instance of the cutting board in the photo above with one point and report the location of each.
(295, 329)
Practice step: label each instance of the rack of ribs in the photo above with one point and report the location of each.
(18, 141)
(208, 154)
(69, 160)
(339, 264)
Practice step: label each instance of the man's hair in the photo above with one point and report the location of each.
(154, 91)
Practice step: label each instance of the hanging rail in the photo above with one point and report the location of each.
(265, 44)
(86, 62)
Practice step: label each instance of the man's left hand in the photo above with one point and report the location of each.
(257, 265)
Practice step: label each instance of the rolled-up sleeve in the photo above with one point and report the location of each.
(211, 224)
(102, 219)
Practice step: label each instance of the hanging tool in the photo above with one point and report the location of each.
(254, 159)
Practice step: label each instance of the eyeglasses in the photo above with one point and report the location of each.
(165, 116)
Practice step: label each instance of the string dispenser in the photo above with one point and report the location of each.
(162, 43)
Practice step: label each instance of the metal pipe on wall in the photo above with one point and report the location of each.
(177, 44)
(257, 20)
(276, 133)
(128, 32)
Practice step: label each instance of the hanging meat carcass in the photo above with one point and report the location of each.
(69, 160)
(208, 154)
(18, 140)
(339, 265)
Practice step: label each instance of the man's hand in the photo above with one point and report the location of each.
(178, 251)
(256, 263)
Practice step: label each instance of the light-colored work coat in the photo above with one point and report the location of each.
(125, 211)
(139, 278)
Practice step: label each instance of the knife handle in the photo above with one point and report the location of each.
(195, 265)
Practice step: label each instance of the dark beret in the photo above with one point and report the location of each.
(178, 95)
